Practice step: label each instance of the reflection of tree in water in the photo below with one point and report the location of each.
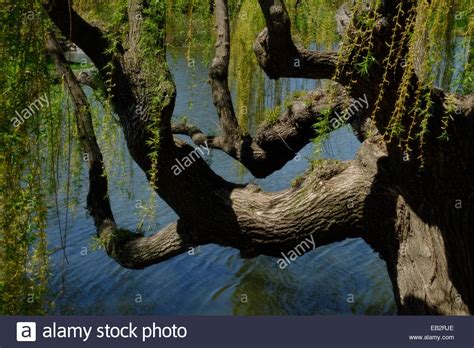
(329, 280)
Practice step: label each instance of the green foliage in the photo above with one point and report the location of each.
(102, 11)
(438, 35)
(190, 23)
(272, 115)
(313, 25)
(23, 78)
(322, 128)
(365, 64)
(313, 22)
(246, 76)
(160, 86)
(432, 57)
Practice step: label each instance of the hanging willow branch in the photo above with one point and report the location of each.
(129, 249)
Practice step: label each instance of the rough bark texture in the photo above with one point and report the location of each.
(411, 216)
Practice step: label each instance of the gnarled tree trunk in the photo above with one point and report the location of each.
(420, 220)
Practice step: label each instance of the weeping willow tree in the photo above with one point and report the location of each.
(24, 78)
(399, 72)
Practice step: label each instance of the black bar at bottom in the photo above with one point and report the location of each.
(237, 332)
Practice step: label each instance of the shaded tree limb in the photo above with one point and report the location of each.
(91, 39)
(219, 73)
(127, 248)
(98, 203)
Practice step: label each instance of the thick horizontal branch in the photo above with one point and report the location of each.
(138, 252)
(326, 206)
(278, 142)
(279, 58)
